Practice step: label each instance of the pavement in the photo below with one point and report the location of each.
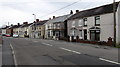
(25, 51)
(0, 51)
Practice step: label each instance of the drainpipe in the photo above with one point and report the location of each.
(114, 12)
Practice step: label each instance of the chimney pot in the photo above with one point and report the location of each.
(49, 18)
(53, 17)
(18, 24)
(71, 12)
(77, 11)
(37, 20)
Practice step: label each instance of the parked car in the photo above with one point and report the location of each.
(15, 35)
(3, 34)
(7, 35)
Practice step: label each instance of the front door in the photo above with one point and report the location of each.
(85, 34)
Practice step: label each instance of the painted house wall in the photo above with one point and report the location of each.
(106, 25)
(118, 25)
(50, 24)
(3, 31)
(16, 31)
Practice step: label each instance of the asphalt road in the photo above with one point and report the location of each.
(24, 51)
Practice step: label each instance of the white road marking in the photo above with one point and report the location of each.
(70, 50)
(109, 61)
(47, 44)
(14, 57)
(35, 41)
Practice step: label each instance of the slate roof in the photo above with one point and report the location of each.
(95, 11)
(60, 18)
(14, 26)
(26, 25)
(5, 27)
(40, 22)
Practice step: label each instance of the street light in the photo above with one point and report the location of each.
(34, 24)
(34, 17)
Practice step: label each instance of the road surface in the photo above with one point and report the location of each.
(25, 51)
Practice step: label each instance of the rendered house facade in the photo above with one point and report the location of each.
(95, 24)
(38, 29)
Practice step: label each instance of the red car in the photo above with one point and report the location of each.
(7, 35)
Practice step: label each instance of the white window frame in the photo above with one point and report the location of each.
(80, 34)
(80, 23)
(73, 24)
(73, 32)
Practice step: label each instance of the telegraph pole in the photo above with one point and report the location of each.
(114, 12)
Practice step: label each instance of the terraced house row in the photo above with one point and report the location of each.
(89, 26)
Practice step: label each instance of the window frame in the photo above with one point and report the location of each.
(73, 23)
(80, 34)
(96, 19)
(85, 22)
(80, 23)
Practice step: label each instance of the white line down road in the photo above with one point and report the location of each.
(47, 44)
(15, 61)
(109, 61)
(70, 50)
(35, 41)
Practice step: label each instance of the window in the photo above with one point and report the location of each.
(73, 24)
(80, 23)
(80, 34)
(95, 35)
(73, 32)
(58, 25)
(97, 21)
(40, 33)
(85, 21)
(48, 26)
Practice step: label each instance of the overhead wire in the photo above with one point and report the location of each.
(61, 8)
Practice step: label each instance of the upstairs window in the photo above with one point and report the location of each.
(97, 20)
(85, 21)
(80, 23)
(73, 24)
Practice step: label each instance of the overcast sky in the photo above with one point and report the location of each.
(19, 11)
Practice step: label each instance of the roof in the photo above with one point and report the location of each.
(60, 18)
(5, 27)
(26, 25)
(14, 26)
(40, 22)
(95, 11)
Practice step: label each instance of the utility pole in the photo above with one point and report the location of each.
(114, 12)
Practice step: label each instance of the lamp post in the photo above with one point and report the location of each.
(34, 17)
(34, 24)
(114, 14)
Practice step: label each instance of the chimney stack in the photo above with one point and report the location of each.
(18, 24)
(11, 24)
(37, 20)
(49, 18)
(71, 12)
(25, 22)
(53, 17)
(77, 11)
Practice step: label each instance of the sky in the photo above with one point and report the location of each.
(19, 11)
